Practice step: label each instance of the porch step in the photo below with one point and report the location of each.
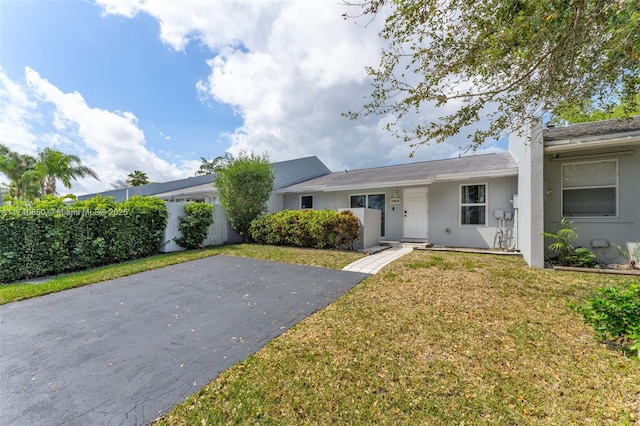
(407, 243)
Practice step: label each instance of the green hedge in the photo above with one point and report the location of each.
(50, 238)
(306, 228)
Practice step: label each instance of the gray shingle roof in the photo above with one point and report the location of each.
(596, 128)
(286, 173)
(500, 164)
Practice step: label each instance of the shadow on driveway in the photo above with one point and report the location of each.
(126, 351)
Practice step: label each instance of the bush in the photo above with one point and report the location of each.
(306, 228)
(49, 239)
(582, 257)
(567, 254)
(194, 224)
(614, 313)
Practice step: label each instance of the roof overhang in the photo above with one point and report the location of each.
(444, 177)
(477, 175)
(594, 142)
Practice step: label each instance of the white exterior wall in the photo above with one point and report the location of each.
(620, 230)
(369, 227)
(528, 151)
(443, 214)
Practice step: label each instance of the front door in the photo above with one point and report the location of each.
(415, 206)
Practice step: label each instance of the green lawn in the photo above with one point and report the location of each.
(328, 258)
(434, 339)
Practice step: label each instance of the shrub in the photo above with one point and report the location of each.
(49, 239)
(582, 257)
(306, 228)
(194, 224)
(568, 254)
(614, 313)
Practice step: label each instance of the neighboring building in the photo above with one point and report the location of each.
(588, 173)
(200, 188)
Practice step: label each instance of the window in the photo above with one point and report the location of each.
(306, 202)
(371, 201)
(590, 189)
(473, 204)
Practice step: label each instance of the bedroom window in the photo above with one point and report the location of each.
(473, 204)
(306, 202)
(590, 189)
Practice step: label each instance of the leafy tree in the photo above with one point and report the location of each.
(212, 166)
(138, 178)
(509, 61)
(244, 186)
(574, 114)
(53, 165)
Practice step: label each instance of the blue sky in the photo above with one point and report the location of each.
(130, 85)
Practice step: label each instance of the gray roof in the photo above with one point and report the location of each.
(486, 165)
(596, 128)
(286, 173)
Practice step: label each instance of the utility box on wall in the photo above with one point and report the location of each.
(370, 221)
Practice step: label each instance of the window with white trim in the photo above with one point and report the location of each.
(590, 189)
(306, 202)
(473, 205)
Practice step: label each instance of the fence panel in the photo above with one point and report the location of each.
(218, 232)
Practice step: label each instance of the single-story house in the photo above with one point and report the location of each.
(588, 173)
(454, 202)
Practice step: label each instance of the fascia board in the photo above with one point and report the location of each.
(476, 175)
(567, 145)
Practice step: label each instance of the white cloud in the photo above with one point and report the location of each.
(290, 68)
(109, 142)
(17, 111)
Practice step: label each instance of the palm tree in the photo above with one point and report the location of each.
(137, 178)
(212, 166)
(53, 165)
(20, 170)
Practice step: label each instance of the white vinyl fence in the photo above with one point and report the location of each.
(218, 232)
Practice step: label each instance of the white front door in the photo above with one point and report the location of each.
(415, 205)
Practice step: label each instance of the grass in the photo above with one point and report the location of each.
(438, 339)
(327, 258)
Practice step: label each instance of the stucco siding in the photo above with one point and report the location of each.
(619, 230)
(444, 212)
(527, 148)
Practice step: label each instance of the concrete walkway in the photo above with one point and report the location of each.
(373, 263)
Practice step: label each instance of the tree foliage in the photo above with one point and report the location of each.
(244, 187)
(508, 61)
(212, 166)
(54, 165)
(588, 112)
(33, 177)
(138, 178)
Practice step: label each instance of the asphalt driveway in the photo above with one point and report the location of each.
(126, 351)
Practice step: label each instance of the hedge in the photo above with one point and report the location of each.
(307, 228)
(50, 238)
